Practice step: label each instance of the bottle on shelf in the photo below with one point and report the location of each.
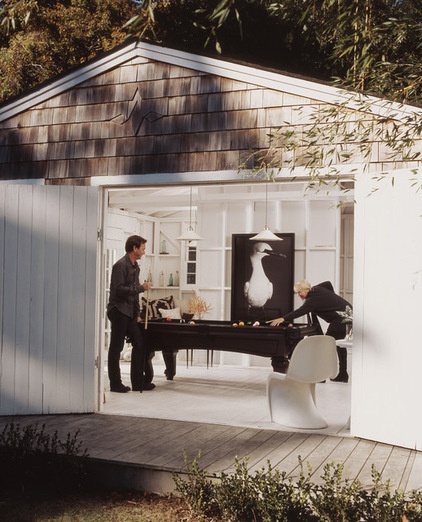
(161, 279)
(176, 278)
(171, 280)
(163, 249)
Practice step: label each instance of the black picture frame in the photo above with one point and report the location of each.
(278, 269)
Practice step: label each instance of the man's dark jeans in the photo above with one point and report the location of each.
(123, 326)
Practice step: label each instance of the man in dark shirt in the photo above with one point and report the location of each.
(322, 301)
(124, 312)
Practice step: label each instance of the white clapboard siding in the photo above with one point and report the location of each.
(48, 246)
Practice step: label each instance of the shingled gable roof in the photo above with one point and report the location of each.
(146, 110)
(276, 80)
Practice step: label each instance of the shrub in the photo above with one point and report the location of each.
(36, 463)
(268, 495)
(198, 490)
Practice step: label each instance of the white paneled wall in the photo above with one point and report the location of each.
(315, 221)
(224, 210)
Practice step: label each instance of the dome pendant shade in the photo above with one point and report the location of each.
(189, 235)
(265, 235)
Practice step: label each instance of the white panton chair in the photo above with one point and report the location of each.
(291, 396)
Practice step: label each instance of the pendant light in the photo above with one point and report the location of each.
(190, 234)
(266, 234)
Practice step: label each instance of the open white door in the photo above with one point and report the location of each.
(48, 278)
(387, 356)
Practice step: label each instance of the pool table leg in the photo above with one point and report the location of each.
(170, 362)
(280, 364)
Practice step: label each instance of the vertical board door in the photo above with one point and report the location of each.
(48, 274)
(387, 310)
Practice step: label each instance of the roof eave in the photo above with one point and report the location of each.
(277, 81)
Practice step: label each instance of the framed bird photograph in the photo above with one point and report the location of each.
(262, 277)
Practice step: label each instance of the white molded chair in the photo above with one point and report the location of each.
(291, 396)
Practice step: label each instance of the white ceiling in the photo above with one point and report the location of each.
(167, 201)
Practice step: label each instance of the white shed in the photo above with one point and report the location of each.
(114, 148)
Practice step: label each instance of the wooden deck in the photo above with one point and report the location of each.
(143, 452)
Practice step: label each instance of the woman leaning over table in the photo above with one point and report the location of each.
(325, 303)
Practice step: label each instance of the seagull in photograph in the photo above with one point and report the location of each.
(259, 289)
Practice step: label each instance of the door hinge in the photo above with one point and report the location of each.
(99, 234)
(97, 362)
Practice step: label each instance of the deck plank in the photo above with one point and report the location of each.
(415, 476)
(317, 455)
(378, 456)
(141, 437)
(312, 452)
(355, 464)
(159, 444)
(206, 439)
(395, 467)
(226, 452)
(281, 452)
(257, 447)
(341, 452)
(172, 451)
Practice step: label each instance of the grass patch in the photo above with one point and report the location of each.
(95, 507)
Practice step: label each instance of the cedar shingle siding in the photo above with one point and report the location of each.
(135, 115)
(141, 118)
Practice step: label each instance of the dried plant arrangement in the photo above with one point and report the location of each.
(198, 306)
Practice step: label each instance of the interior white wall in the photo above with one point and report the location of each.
(387, 357)
(223, 210)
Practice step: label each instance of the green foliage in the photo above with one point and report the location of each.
(198, 490)
(35, 463)
(347, 315)
(371, 46)
(325, 139)
(42, 39)
(15, 12)
(20, 65)
(268, 495)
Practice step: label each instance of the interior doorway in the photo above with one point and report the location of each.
(157, 211)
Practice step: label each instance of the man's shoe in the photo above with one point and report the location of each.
(168, 375)
(145, 387)
(121, 388)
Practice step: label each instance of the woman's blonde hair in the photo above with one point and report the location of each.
(302, 285)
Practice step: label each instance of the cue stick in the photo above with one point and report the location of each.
(146, 312)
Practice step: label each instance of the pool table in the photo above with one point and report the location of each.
(266, 341)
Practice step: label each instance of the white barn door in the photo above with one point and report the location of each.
(387, 355)
(48, 265)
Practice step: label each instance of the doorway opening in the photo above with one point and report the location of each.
(323, 228)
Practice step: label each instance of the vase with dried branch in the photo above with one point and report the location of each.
(198, 306)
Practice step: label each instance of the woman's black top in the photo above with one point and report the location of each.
(324, 303)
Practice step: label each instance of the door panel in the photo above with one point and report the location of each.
(48, 260)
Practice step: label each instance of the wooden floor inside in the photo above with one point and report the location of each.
(221, 414)
(231, 395)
